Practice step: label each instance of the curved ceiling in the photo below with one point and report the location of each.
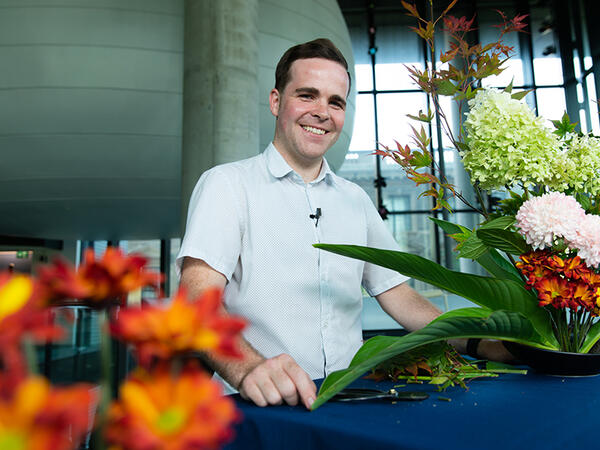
(91, 111)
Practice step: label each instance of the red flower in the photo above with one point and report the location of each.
(102, 281)
(182, 326)
(157, 411)
(40, 417)
(59, 280)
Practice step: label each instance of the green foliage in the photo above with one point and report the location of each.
(436, 363)
(464, 66)
(564, 126)
(501, 324)
(504, 240)
(494, 263)
(492, 293)
(510, 206)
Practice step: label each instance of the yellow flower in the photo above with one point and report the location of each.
(14, 294)
(39, 417)
(161, 411)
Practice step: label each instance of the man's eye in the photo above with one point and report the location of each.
(337, 105)
(308, 96)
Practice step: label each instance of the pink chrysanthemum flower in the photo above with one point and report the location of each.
(543, 219)
(587, 240)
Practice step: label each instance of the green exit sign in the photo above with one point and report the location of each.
(22, 254)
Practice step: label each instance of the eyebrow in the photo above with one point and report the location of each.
(315, 91)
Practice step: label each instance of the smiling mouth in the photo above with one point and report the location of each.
(314, 130)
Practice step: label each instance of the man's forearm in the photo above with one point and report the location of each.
(234, 370)
(407, 307)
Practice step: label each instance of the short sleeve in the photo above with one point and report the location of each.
(214, 224)
(377, 279)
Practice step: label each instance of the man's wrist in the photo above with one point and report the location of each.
(472, 346)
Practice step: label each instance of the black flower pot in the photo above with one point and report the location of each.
(553, 362)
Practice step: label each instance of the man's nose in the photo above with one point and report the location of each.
(321, 110)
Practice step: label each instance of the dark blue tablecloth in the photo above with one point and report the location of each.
(509, 412)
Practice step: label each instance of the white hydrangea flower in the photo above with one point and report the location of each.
(508, 144)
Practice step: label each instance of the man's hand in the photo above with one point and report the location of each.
(277, 380)
(494, 351)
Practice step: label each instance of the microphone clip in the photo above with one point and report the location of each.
(316, 216)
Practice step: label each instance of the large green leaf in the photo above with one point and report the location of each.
(504, 240)
(591, 338)
(492, 293)
(492, 261)
(499, 223)
(472, 248)
(498, 266)
(504, 325)
(483, 313)
(449, 227)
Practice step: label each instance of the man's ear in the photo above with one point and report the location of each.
(274, 101)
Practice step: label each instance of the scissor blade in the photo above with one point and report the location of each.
(357, 394)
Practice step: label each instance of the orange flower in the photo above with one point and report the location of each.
(59, 280)
(533, 266)
(575, 268)
(116, 274)
(39, 417)
(102, 281)
(554, 291)
(21, 313)
(182, 326)
(157, 411)
(583, 295)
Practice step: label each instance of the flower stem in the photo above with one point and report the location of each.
(481, 202)
(105, 362)
(30, 356)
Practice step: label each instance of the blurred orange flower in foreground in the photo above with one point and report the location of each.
(104, 280)
(39, 417)
(184, 325)
(21, 314)
(158, 411)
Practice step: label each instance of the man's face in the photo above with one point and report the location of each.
(310, 111)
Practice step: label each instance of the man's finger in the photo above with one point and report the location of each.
(304, 385)
(268, 388)
(250, 391)
(285, 386)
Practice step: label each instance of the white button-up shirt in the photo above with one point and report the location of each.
(249, 220)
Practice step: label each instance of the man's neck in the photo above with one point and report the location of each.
(308, 170)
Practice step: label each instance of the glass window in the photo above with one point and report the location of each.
(393, 125)
(488, 32)
(397, 47)
(359, 167)
(552, 104)
(151, 250)
(363, 135)
(593, 103)
(547, 65)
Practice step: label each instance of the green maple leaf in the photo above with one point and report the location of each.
(564, 125)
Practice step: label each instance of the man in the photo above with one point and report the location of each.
(250, 228)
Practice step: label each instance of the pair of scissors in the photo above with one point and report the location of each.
(357, 394)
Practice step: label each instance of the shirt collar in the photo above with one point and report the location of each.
(279, 168)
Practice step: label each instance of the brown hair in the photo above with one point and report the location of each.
(318, 48)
